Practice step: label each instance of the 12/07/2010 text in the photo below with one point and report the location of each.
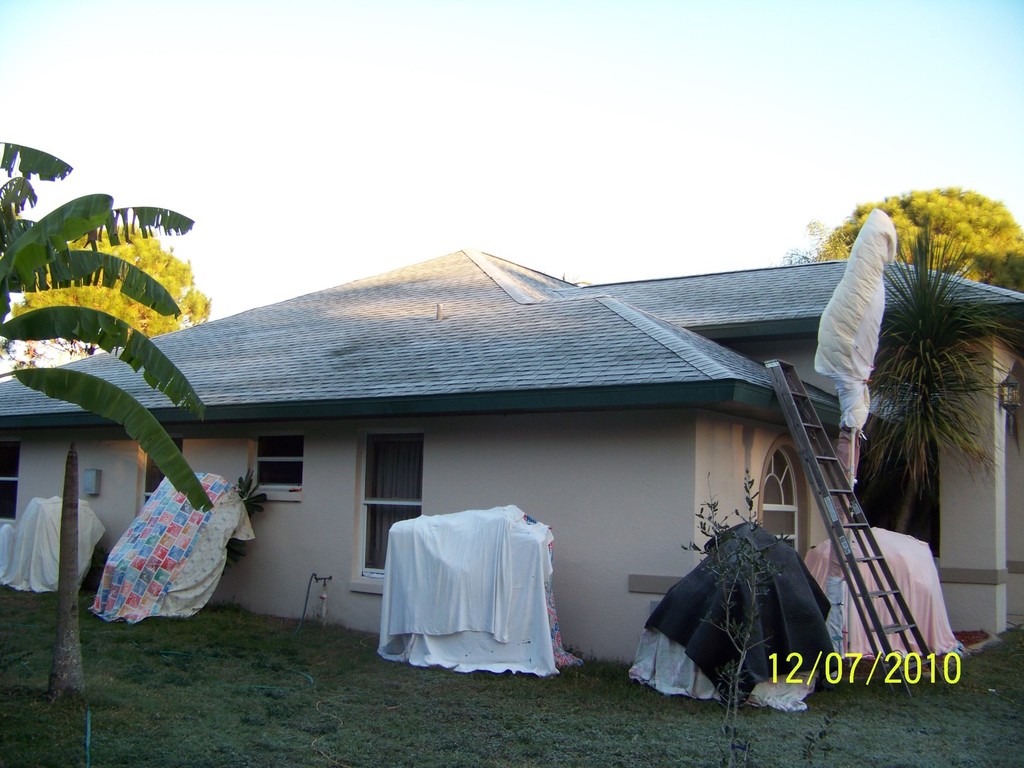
(911, 668)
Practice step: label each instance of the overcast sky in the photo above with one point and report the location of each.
(319, 142)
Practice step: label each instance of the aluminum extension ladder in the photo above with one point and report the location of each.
(848, 528)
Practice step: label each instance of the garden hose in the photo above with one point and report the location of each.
(313, 577)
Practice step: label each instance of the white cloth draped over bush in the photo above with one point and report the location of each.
(30, 548)
(471, 591)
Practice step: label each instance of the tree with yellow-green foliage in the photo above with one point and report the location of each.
(147, 255)
(992, 239)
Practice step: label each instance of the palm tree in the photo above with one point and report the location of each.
(37, 256)
(928, 372)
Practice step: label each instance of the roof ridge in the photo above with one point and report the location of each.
(669, 336)
(518, 289)
(699, 275)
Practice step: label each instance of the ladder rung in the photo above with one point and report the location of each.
(840, 491)
(841, 511)
(891, 629)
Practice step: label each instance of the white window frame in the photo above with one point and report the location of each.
(365, 501)
(13, 479)
(787, 483)
(281, 491)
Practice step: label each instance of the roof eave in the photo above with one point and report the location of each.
(734, 397)
(762, 330)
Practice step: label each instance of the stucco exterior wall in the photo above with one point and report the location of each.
(797, 352)
(973, 509)
(618, 488)
(227, 455)
(312, 534)
(1014, 458)
(41, 474)
(615, 487)
(728, 449)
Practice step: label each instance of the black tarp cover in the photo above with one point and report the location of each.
(792, 612)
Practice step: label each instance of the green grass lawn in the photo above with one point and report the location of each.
(229, 688)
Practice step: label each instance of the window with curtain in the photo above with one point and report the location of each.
(778, 498)
(10, 454)
(393, 491)
(153, 474)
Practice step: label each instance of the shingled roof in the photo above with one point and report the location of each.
(472, 333)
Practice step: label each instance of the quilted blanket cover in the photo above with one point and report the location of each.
(170, 559)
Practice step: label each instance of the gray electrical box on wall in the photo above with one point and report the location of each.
(91, 481)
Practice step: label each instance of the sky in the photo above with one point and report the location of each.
(317, 142)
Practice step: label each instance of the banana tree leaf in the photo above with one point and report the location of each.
(95, 327)
(34, 162)
(123, 223)
(16, 195)
(103, 398)
(96, 268)
(38, 244)
(5, 295)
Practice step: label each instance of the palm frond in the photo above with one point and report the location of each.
(38, 244)
(33, 162)
(107, 400)
(113, 335)
(930, 367)
(72, 269)
(123, 223)
(15, 196)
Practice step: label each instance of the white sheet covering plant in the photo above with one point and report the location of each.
(471, 591)
(30, 548)
(663, 664)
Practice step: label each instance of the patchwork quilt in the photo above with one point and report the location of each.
(162, 549)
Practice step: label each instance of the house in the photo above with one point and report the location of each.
(610, 412)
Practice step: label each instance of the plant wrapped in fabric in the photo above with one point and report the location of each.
(253, 503)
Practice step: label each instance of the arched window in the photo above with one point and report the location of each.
(779, 498)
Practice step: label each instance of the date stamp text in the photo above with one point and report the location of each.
(910, 668)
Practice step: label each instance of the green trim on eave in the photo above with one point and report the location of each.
(740, 396)
(764, 330)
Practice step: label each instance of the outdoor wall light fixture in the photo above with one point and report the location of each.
(1009, 400)
(1009, 394)
(91, 481)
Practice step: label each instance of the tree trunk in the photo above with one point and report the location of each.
(66, 678)
(906, 510)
